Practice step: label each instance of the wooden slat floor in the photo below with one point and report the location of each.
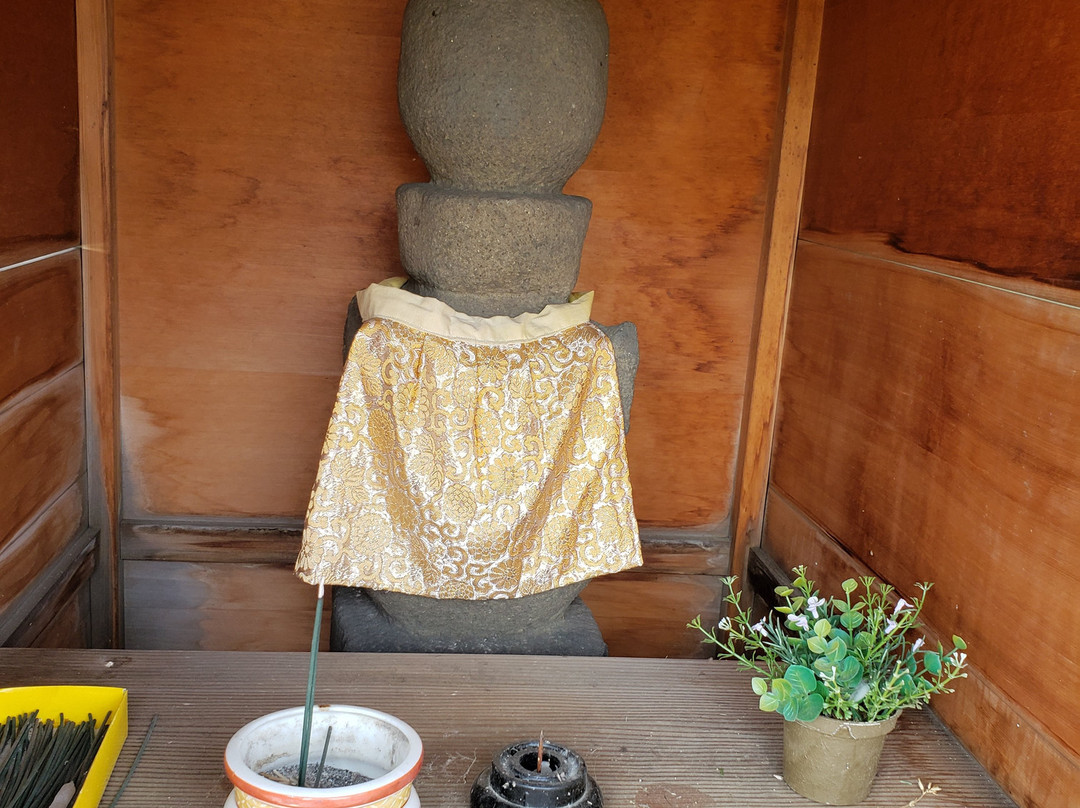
(655, 733)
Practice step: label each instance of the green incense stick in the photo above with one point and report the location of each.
(309, 702)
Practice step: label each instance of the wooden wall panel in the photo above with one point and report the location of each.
(952, 129)
(62, 616)
(39, 142)
(42, 490)
(644, 614)
(41, 450)
(40, 322)
(1028, 761)
(218, 606)
(257, 156)
(932, 425)
(24, 557)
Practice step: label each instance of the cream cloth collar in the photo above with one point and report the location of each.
(389, 301)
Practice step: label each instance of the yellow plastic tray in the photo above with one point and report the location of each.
(75, 702)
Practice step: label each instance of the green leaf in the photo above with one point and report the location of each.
(784, 609)
(790, 710)
(761, 687)
(932, 662)
(849, 671)
(959, 642)
(783, 591)
(849, 585)
(802, 679)
(851, 620)
(822, 627)
(799, 582)
(817, 645)
(782, 689)
(839, 605)
(863, 640)
(836, 650)
(810, 707)
(797, 603)
(768, 703)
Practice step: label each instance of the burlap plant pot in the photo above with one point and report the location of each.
(833, 762)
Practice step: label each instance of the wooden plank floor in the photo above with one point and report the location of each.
(654, 733)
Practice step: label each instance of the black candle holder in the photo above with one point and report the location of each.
(514, 782)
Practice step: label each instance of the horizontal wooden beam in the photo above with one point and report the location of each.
(666, 550)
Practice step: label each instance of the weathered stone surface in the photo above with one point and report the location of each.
(503, 95)
(624, 342)
(491, 253)
(537, 624)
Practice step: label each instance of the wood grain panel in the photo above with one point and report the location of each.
(210, 607)
(99, 271)
(221, 442)
(1033, 766)
(40, 322)
(257, 156)
(42, 600)
(679, 181)
(62, 619)
(70, 626)
(933, 426)
(643, 614)
(24, 557)
(41, 450)
(39, 142)
(952, 127)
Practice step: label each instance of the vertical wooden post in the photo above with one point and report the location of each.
(782, 230)
(94, 37)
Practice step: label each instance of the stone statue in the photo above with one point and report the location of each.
(503, 100)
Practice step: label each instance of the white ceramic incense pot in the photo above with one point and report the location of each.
(377, 745)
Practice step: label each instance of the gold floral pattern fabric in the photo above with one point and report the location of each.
(471, 457)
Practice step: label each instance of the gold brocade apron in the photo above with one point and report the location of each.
(471, 457)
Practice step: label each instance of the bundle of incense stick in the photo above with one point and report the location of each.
(38, 758)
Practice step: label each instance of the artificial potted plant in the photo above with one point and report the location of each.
(840, 670)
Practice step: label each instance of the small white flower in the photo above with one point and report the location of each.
(890, 626)
(958, 658)
(915, 646)
(799, 620)
(900, 606)
(759, 627)
(813, 604)
(725, 624)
